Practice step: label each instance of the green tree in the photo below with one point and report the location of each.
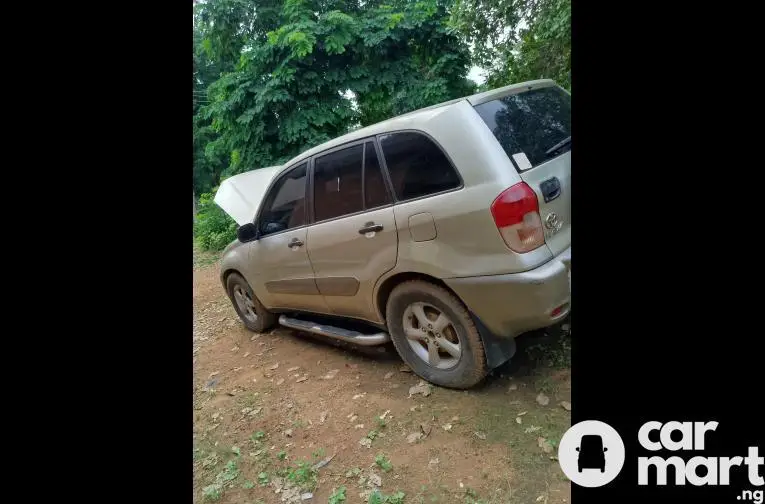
(275, 77)
(289, 88)
(518, 40)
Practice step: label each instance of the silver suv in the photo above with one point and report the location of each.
(446, 230)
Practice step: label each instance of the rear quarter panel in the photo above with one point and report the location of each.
(467, 242)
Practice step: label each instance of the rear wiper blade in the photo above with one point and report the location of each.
(558, 145)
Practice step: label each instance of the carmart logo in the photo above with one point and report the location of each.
(591, 454)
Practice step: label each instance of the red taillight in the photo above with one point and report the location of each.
(516, 213)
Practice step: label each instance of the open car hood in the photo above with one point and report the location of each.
(240, 196)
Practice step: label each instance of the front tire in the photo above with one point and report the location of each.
(250, 310)
(434, 334)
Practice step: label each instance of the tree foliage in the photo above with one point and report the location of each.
(518, 40)
(308, 71)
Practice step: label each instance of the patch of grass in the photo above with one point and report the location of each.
(380, 422)
(212, 492)
(319, 453)
(554, 352)
(203, 257)
(337, 496)
(471, 497)
(546, 385)
(263, 479)
(303, 475)
(248, 485)
(378, 497)
(352, 473)
(281, 455)
(249, 400)
(373, 434)
(258, 436)
(223, 479)
(532, 468)
(383, 462)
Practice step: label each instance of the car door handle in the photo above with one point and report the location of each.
(370, 227)
(295, 243)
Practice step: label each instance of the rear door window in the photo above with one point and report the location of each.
(337, 184)
(530, 125)
(417, 166)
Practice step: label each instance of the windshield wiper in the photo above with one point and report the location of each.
(558, 145)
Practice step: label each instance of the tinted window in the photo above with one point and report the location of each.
(416, 165)
(337, 183)
(531, 123)
(284, 207)
(375, 190)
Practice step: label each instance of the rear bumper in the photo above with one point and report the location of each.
(511, 304)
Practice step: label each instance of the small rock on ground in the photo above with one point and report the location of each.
(375, 479)
(565, 405)
(421, 388)
(331, 374)
(542, 399)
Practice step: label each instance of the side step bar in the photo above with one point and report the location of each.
(335, 332)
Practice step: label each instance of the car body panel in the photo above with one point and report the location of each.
(347, 264)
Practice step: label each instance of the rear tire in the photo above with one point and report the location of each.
(249, 308)
(445, 351)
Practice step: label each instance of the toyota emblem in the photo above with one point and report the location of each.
(552, 222)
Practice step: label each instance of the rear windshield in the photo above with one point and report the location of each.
(529, 124)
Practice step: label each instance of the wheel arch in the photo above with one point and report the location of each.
(227, 273)
(387, 286)
(498, 350)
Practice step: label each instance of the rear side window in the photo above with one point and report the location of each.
(337, 183)
(531, 124)
(417, 166)
(284, 207)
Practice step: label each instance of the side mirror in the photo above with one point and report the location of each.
(577, 448)
(605, 449)
(247, 232)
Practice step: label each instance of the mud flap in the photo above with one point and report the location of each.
(498, 350)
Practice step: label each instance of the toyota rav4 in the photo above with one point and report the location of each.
(446, 230)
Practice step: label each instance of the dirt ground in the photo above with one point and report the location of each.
(269, 408)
